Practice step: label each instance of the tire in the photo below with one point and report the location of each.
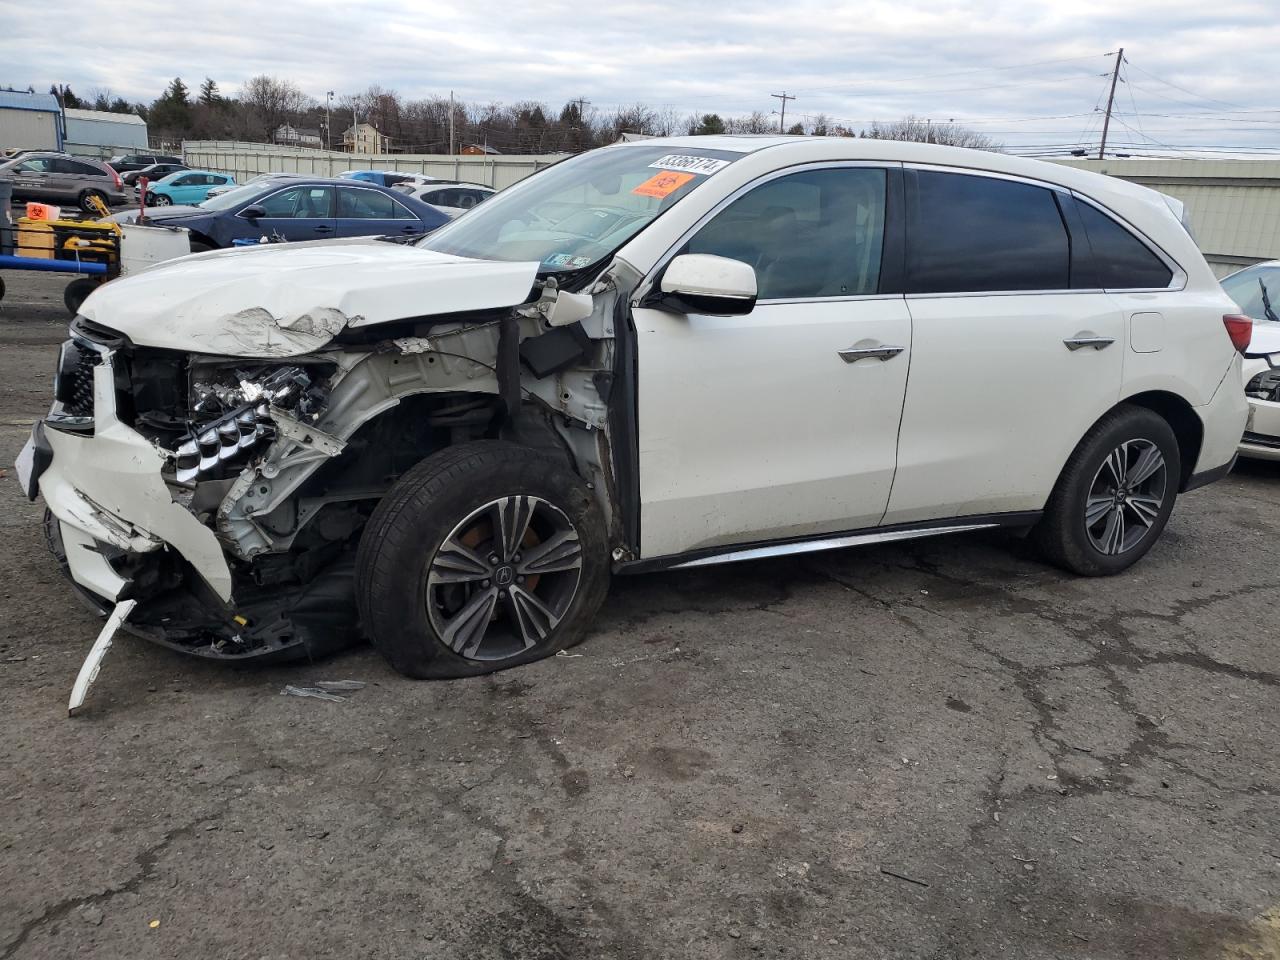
(77, 292)
(439, 593)
(158, 200)
(87, 205)
(198, 247)
(1091, 526)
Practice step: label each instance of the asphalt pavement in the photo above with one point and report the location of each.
(937, 750)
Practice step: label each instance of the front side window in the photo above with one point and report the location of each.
(576, 213)
(188, 181)
(300, 203)
(972, 234)
(818, 233)
(1122, 260)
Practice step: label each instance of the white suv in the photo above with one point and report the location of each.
(660, 354)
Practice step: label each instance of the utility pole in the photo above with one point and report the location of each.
(1106, 123)
(452, 150)
(328, 130)
(782, 116)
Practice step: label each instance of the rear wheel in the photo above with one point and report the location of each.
(1115, 494)
(86, 203)
(200, 247)
(484, 556)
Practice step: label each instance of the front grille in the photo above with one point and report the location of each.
(73, 387)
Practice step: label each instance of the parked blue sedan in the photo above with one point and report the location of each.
(185, 187)
(297, 209)
(383, 178)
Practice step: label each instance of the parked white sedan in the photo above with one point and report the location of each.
(1257, 291)
(452, 197)
(657, 355)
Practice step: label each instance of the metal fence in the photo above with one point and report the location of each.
(245, 160)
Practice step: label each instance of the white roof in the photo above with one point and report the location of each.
(104, 116)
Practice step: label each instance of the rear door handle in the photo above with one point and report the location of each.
(1098, 343)
(854, 354)
(324, 229)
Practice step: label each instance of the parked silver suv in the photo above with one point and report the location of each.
(58, 178)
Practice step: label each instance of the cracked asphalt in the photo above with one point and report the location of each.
(937, 750)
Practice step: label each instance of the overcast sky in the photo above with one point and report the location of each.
(1197, 73)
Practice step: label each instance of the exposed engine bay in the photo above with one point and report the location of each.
(283, 460)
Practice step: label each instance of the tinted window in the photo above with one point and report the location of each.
(300, 203)
(1120, 258)
(969, 234)
(812, 234)
(38, 165)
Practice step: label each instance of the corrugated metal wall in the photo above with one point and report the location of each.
(28, 128)
(245, 160)
(1234, 204)
(104, 133)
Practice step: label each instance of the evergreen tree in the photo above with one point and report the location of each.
(209, 94)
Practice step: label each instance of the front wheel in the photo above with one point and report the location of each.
(158, 200)
(1115, 494)
(482, 557)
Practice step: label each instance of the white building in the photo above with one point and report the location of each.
(293, 136)
(30, 121)
(97, 128)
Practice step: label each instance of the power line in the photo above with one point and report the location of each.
(957, 73)
(1168, 83)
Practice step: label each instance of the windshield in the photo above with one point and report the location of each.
(232, 198)
(579, 211)
(1256, 290)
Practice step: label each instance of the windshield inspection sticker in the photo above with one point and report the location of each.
(566, 260)
(700, 165)
(663, 184)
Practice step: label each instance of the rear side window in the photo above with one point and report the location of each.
(968, 234)
(1122, 261)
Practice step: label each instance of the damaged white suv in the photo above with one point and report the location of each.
(660, 354)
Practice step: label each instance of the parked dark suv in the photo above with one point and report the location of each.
(136, 161)
(153, 173)
(58, 178)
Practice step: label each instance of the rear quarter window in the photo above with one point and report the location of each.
(1122, 261)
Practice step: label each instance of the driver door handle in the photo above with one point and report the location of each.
(854, 354)
(1081, 340)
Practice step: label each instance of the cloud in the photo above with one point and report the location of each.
(1196, 73)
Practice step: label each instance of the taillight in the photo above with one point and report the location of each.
(116, 177)
(1239, 329)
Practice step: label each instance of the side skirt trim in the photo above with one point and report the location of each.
(855, 538)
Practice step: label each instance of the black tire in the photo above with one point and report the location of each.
(1091, 526)
(158, 200)
(87, 205)
(77, 292)
(402, 590)
(198, 247)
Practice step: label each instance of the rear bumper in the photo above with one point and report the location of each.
(1223, 419)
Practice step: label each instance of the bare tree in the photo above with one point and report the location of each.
(926, 131)
(269, 102)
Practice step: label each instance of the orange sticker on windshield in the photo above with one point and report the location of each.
(663, 184)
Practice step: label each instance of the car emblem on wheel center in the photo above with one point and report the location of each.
(504, 576)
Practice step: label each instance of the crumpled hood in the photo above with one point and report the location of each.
(285, 299)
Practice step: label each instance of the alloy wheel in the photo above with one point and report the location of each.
(504, 578)
(1126, 497)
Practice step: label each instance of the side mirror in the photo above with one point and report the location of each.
(702, 283)
(253, 212)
